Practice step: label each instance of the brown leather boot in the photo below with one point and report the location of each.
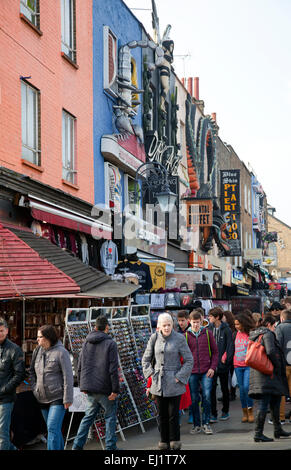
(245, 415)
(251, 417)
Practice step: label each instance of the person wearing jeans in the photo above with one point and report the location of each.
(243, 379)
(98, 378)
(5, 420)
(52, 383)
(12, 372)
(206, 385)
(95, 402)
(243, 323)
(53, 416)
(205, 360)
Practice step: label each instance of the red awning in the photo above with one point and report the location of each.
(54, 219)
(23, 272)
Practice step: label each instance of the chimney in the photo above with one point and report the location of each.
(213, 115)
(196, 88)
(190, 86)
(183, 81)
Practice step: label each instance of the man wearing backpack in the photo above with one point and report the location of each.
(205, 355)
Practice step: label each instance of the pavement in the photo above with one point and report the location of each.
(227, 435)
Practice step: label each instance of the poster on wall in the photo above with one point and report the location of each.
(230, 207)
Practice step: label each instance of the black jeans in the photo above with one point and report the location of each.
(168, 408)
(223, 378)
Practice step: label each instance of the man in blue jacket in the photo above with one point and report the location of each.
(98, 378)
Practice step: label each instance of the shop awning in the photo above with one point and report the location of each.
(111, 289)
(56, 215)
(23, 272)
(92, 282)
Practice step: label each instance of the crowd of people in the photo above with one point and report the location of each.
(218, 347)
(182, 365)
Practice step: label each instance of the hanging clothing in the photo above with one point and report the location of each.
(109, 257)
(144, 274)
(84, 248)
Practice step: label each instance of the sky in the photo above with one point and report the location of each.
(240, 50)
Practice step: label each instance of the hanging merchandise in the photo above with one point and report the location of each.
(172, 299)
(157, 300)
(84, 246)
(158, 275)
(142, 270)
(109, 257)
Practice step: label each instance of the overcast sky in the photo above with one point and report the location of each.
(240, 50)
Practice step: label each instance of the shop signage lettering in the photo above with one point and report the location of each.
(230, 207)
(159, 152)
(201, 217)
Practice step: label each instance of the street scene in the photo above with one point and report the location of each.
(145, 227)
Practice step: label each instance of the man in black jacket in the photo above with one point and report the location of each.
(225, 344)
(98, 378)
(12, 373)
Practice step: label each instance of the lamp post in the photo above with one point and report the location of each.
(154, 175)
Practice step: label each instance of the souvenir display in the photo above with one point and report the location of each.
(130, 328)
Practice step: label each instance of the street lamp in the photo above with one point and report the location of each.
(155, 180)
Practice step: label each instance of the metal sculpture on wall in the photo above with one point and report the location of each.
(202, 161)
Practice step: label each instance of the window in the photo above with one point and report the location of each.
(30, 120)
(68, 150)
(110, 61)
(68, 15)
(30, 9)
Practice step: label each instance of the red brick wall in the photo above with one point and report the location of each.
(24, 52)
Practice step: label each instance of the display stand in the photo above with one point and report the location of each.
(141, 325)
(77, 329)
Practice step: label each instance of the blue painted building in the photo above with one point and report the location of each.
(113, 27)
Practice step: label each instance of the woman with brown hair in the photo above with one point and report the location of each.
(52, 382)
(243, 324)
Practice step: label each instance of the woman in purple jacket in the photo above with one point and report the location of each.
(205, 355)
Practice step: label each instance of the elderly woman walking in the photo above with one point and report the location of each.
(162, 362)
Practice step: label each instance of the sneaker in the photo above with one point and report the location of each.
(270, 421)
(207, 429)
(224, 416)
(213, 419)
(195, 430)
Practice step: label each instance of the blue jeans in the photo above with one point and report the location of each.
(206, 384)
(243, 379)
(95, 402)
(5, 421)
(54, 416)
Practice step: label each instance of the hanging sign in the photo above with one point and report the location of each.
(230, 207)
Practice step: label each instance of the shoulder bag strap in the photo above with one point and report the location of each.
(209, 348)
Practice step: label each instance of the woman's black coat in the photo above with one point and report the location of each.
(262, 384)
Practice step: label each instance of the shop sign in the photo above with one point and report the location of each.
(237, 277)
(252, 253)
(230, 207)
(203, 217)
(142, 235)
(158, 151)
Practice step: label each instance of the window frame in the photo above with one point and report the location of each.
(110, 86)
(69, 50)
(71, 169)
(36, 151)
(26, 11)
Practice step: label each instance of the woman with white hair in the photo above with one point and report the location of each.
(162, 362)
